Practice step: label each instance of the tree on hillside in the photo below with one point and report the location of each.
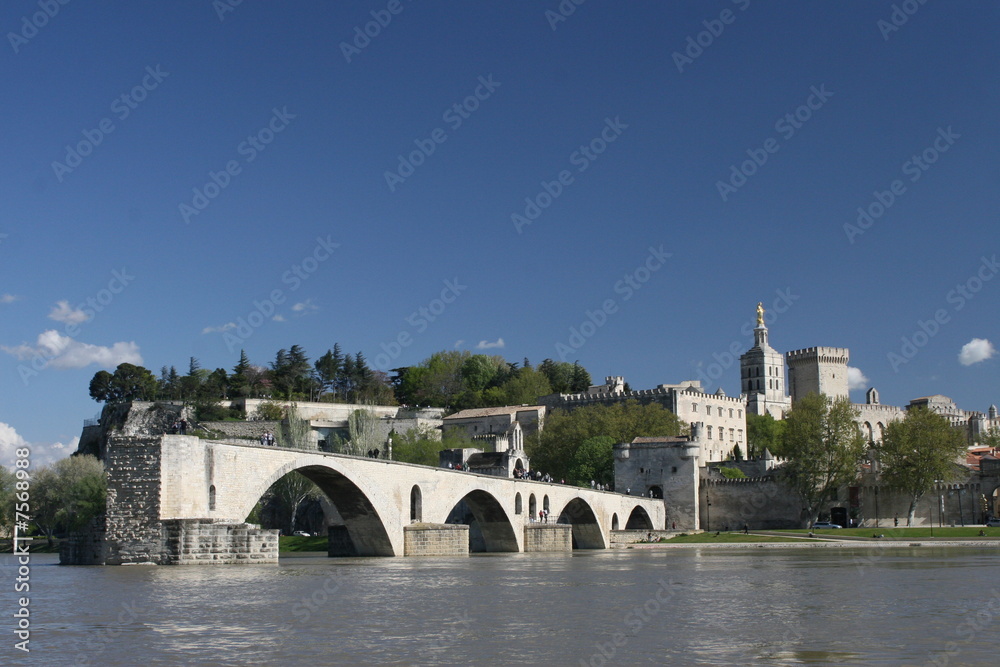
(362, 425)
(824, 446)
(128, 383)
(593, 461)
(419, 446)
(524, 387)
(239, 381)
(764, 432)
(919, 451)
(553, 449)
(328, 369)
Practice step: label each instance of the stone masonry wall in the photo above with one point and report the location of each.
(548, 537)
(202, 541)
(760, 503)
(435, 539)
(134, 533)
(245, 429)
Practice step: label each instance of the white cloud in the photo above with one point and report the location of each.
(225, 327)
(487, 345)
(458, 343)
(278, 318)
(8, 298)
(65, 352)
(306, 306)
(856, 379)
(976, 350)
(40, 454)
(63, 312)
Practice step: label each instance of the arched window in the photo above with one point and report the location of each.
(532, 507)
(416, 505)
(545, 503)
(517, 503)
(614, 522)
(211, 498)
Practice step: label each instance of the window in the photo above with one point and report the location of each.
(694, 407)
(730, 413)
(739, 435)
(732, 434)
(720, 412)
(709, 430)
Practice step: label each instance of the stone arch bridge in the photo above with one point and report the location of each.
(180, 499)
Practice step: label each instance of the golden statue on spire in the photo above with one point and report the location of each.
(760, 314)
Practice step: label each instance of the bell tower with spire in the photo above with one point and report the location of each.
(762, 374)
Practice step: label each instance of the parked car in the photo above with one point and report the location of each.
(993, 523)
(302, 533)
(819, 525)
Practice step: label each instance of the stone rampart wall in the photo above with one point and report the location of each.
(250, 430)
(758, 503)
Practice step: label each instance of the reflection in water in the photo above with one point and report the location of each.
(699, 606)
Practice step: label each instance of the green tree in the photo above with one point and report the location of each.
(824, 447)
(7, 482)
(593, 461)
(421, 447)
(524, 387)
(128, 383)
(732, 473)
(362, 425)
(328, 369)
(239, 381)
(290, 493)
(919, 451)
(764, 432)
(68, 494)
(552, 449)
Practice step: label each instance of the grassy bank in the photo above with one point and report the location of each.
(39, 545)
(293, 544)
(902, 533)
(728, 538)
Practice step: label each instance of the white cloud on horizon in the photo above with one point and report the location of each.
(219, 329)
(40, 454)
(63, 312)
(487, 345)
(278, 318)
(976, 350)
(65, 352)
(8, 298)
(304, 307)
(856, 379)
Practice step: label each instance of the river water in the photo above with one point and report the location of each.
(910, 606)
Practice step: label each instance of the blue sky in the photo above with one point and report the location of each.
(686, 160)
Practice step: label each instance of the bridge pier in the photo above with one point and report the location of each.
(548, 537)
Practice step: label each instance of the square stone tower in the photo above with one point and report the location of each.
(822, 370)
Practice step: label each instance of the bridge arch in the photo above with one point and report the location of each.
(614, 521)
(490, 528)
(639, 520)
(587, 532)
(366, 531)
